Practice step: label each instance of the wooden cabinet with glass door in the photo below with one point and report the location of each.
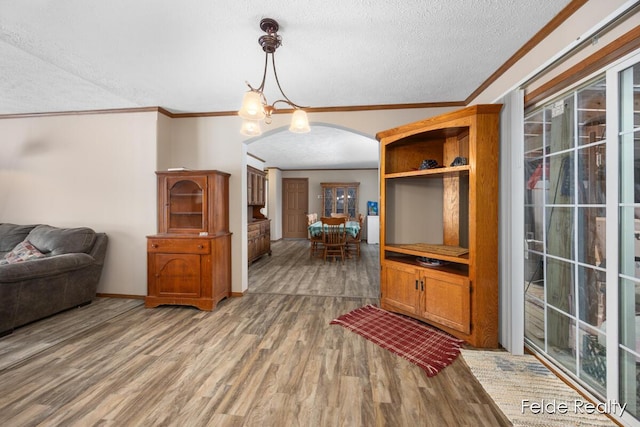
(189, 260)
(340, 198)
(193, 202)
(439, 223)
(256, 187)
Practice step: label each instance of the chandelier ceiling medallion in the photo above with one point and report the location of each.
(255, 107)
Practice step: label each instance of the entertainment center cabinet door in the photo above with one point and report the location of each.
(447, 300)
(177, 275)
(400, 291)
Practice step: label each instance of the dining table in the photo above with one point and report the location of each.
(353, 227)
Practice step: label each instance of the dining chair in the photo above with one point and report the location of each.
(354, 242)
(339, 215)
(311, 218)
(334, 237)
(314, 241)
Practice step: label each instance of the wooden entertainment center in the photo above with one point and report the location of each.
(439, 224)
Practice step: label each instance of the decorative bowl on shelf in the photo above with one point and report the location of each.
(430, 262)
(428, 164)
(459, 161)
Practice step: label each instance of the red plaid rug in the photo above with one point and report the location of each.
(420, 344)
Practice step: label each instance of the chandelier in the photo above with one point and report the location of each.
(255, 107)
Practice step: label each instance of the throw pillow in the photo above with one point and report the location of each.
(57, 241)
(12, 234)
(23, 251)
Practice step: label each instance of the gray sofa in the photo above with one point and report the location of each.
(65, 274)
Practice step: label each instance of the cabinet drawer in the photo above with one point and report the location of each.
(179, 246)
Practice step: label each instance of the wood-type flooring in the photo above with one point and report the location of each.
(269, 358)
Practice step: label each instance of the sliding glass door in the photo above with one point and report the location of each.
(582, 233)
(565, 219)
(628, 133)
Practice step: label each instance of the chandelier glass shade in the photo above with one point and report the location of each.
(255, 107)
(252, 108)
(299, 122)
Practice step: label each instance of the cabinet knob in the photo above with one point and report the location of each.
(200, 246)
(154, 245)
(421, 285)
(416, 284)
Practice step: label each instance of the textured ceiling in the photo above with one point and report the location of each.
(324, 147)
(195, 55)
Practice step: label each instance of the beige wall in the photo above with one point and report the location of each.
(215, 143)
(86, 170)
(255, 163)
(164, 150)
(275, 202)
(415, 211)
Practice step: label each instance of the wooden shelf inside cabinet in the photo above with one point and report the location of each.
(410, 249)
(457, 269)
(444, 171)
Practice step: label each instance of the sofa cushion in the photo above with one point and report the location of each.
(24, 251)
(12, 234)
(57, 241)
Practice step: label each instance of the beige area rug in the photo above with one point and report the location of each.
(531, 395)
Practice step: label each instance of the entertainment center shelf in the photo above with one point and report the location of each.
(408, 249)
(449, 276)
(452, 170)
(453, 268)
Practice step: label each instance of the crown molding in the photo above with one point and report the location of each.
(87, 112)
(562, 16)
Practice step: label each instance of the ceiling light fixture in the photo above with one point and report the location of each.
(255, 107)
